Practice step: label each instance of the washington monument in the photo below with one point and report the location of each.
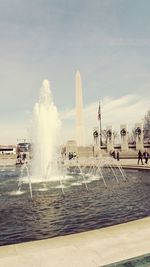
(80, 130)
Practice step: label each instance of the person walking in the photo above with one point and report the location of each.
(146, 156)
(140, 157)
(19, 161)
(118, 155)
(113, 154)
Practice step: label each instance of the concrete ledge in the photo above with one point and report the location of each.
(88, 249)
(129, 167)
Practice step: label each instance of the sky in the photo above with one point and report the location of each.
(108, 41)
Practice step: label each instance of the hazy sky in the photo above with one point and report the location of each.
(107, 40)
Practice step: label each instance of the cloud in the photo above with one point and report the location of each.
(106, 40)
(128, 109)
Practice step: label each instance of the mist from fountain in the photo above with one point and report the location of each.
(92, 169)
(46, 165)
(46, 127)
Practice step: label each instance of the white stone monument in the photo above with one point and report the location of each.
(139, 136)
(124, 137)
(80, 130)
(96, 136)
(110, 139)
(96, 149)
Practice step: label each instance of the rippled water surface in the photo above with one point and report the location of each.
(50, 213)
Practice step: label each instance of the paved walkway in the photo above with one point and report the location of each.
(132, 164)
(5, 161)
(89, 249)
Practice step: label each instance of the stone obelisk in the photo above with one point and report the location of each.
(80, 130)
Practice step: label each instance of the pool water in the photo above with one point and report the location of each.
(50, 213)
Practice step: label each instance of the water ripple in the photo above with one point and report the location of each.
(50, 213)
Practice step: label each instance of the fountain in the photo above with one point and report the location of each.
(98, 192)
(46, 126)
(46, 164)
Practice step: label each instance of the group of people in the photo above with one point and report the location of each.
(21, 158)
(115, 155)
(142, 156)
(72, 155)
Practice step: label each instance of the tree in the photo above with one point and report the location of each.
(104, 137)
(132, 137)
(147, 126)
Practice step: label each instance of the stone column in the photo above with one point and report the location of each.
(96, 142)
(110, 139)
(139, 136)
(95, 136)
(124, 137)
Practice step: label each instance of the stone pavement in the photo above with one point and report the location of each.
(132, 164)
(89, 249)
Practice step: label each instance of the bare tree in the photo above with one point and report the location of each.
(115, 134)
(147, 126)
(132, 136)
(104, 137)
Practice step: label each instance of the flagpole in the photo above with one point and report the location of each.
(100, 126)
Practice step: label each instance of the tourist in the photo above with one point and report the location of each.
(19, 161)
(24, 156)
(74, 155)
(113, 154)
(70, 155)
(118, 155)
(140, 157)
(146, 156)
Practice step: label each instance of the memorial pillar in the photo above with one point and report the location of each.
(110, 139)
(124, 137)
(96, 150)
(139, 136)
